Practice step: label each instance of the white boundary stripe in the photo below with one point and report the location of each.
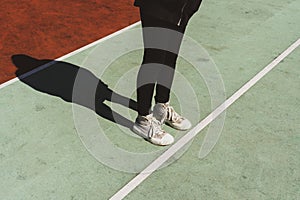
(136, 181)
(69, 54)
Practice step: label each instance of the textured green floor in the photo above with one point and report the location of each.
(257, 156)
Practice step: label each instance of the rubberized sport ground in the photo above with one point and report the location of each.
(42, 153)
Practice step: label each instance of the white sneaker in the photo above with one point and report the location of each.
(165, 113)
(150, 129)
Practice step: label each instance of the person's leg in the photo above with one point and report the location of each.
(152, 60)
(146, 80)
(146, 125)
(162, 110)
(166, 76)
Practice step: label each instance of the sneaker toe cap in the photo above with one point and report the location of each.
(167, 139)
(185, 124)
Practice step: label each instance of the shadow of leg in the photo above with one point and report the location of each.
(107, 113)
(73, 84)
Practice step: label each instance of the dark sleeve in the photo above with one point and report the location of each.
(169, 10)
(191, 7)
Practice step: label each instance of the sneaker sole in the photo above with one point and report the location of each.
(138, 132)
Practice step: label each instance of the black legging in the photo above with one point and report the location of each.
(152, 71)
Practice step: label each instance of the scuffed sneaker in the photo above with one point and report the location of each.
(150, 129)
(165, 113)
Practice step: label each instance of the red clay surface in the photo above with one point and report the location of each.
(50, 29)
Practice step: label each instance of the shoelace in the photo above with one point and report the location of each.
(172, 115)
(155, 128)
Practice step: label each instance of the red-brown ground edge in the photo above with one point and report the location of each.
(49, 29)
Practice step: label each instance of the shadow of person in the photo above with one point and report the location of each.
(73, 84)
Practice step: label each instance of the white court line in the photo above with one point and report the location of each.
(69, 55)
(136, 181)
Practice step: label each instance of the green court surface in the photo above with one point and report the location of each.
(256, 157)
